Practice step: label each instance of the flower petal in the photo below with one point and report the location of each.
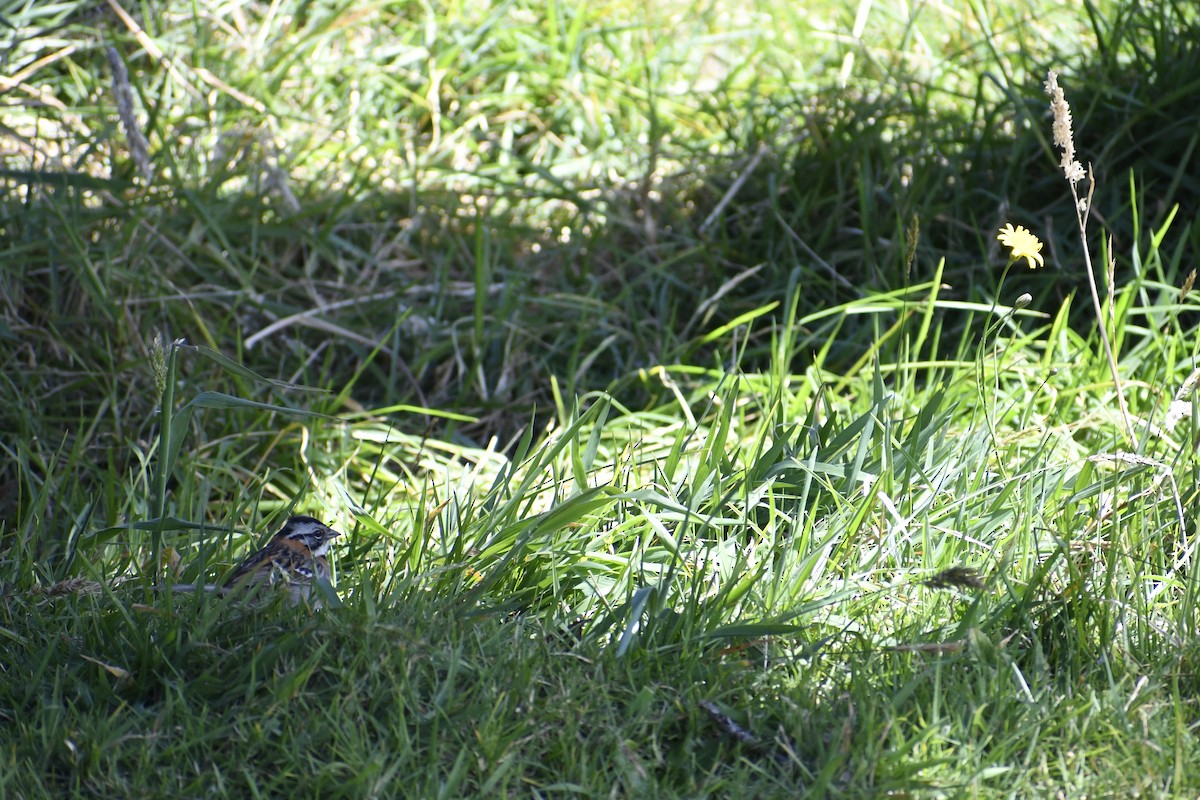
(1022, 244)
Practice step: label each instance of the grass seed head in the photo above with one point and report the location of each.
(1063, 136)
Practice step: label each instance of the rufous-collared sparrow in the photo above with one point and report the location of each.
(295, 558)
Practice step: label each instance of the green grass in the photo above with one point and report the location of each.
(656, 362)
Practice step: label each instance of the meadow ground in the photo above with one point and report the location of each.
(692, 431)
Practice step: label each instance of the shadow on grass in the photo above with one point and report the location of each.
(479, 299)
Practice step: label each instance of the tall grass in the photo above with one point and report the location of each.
(656, 363)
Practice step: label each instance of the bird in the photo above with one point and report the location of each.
(295, 558)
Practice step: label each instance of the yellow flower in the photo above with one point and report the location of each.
(1022, 244)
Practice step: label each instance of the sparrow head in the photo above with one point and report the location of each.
(309, 532)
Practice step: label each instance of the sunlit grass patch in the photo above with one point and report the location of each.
(658, 366)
